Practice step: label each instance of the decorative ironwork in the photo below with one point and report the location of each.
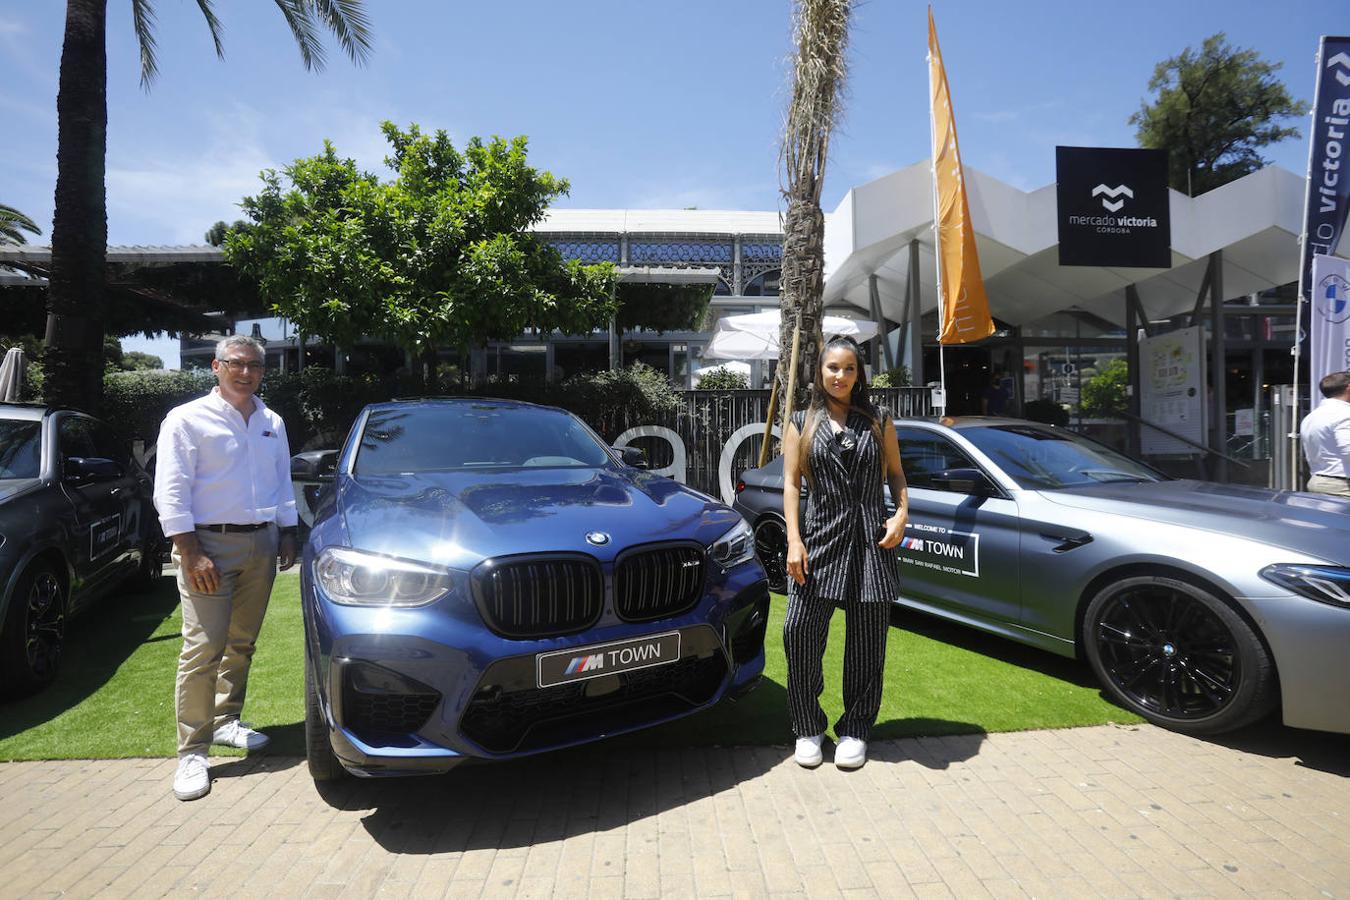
(588, 251)
(679, 253)
(760, 251)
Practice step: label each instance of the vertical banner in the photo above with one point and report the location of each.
(1172, 390)
(1328, 197)
(964, 305)
(1329, 322)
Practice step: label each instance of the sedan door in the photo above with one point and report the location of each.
(97, 533)
(960, 551)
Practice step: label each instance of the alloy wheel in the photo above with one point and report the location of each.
(45, 626)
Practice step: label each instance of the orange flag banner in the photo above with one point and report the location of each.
(965, 307)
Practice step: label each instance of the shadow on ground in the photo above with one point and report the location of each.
(1318, 750)
(98, 642)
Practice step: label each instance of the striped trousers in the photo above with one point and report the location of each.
(805, 633)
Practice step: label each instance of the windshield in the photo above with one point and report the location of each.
(1045, 459)
(19, 443)
(474, 436)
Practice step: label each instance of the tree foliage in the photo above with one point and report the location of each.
(1106, 393)
(1214, 111)
(438, 256)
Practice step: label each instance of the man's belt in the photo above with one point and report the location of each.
(1337, 477)
(232, 529)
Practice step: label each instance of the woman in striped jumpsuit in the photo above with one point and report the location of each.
(840, 551)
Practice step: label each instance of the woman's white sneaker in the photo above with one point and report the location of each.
(850, 753)
(193, 778)
(808, 751)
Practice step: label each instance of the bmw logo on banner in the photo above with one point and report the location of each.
(1113, 207)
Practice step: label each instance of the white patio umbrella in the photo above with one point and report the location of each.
(11, 375)
(755, 335)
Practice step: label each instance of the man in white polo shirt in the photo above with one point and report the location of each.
(1326, 437)
(224, 496)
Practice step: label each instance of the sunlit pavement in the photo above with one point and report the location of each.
(1105, 811)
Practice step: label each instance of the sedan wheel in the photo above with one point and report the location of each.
(34, 632)
(1178, 656)
(771, 548)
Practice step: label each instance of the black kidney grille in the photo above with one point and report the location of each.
(536, 598)
(653, 584)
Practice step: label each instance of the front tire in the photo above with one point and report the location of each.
(33, 633)
(771, 549)
(1178, 655)
(323, 763)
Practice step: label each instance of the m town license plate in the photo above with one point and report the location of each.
(580, 663)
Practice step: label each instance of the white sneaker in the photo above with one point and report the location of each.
(193, 778)
(808, 751)
(238, 735)
(850, 753)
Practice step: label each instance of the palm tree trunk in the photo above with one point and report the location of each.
(73, 363)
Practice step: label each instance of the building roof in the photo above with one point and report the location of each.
(1255, 221)
(661, 221)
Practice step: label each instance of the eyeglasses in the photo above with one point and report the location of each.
(241, 365)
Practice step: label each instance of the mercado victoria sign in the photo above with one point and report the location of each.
(1113, 207)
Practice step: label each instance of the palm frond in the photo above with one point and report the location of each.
(349, 23)
(143, 19)
(299, 16)
(13, 224)
(213, 24)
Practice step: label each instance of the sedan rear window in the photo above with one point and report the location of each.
(1045, 459)
(19, 445)
(474, 436)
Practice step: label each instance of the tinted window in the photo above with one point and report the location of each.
(20, 443)
(107, 445)
(1042, 458)
(923, 454)
(477, 436)
(75, 437)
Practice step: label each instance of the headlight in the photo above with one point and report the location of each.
(734, 547)
(354, 578)
(1326, 584)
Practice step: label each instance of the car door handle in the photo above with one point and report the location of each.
(1067, 540)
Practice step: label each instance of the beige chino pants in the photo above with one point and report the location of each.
(1323, 484)
(220, 631)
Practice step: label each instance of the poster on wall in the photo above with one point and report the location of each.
(1329, 321)
(1172, 391)
(1114, 208)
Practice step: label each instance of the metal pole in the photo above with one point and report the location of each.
(1303, 264)
(1218, 363)
(915, 317)
(1132, 365)
(937, 241)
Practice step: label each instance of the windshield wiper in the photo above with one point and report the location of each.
(1108, 476)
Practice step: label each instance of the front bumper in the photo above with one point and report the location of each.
(413, 691)
(1308, 640)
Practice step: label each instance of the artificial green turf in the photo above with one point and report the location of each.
(114, 697)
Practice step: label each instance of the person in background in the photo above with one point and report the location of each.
(840, 553)
(997, 397)
(1325, 434)
(224, 496)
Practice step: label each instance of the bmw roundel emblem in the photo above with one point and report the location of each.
(598, 538)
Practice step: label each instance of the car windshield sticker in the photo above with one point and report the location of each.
(935, 547)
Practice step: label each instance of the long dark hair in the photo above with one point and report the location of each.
(815, 410)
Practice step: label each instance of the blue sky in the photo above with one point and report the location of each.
(644, 105)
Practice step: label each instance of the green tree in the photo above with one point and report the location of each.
(820, 70)
(438, 256)
(1106, 394)
(13, 224)
(723, 379)
(75, 300)
(1214, 111)
(136, 361)
(216, 234)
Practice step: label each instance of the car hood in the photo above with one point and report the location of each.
(13, 487)
(458, 519)
(1314, 524)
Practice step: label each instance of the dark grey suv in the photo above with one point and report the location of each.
(76, 523)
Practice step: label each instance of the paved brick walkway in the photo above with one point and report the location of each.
(1116, 812)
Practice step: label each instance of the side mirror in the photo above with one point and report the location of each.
(90, 468)
(314, 465)
(964, 481)
(634, 456)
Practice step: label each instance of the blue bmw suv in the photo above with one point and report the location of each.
(488, 579)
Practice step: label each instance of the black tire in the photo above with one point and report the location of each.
(323, 763)
(34, 632)
(150, 570)
(1178, 655)
(771, 549)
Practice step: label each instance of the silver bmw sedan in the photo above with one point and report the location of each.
(1200, 606)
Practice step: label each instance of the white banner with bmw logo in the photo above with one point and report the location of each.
(1329, 336)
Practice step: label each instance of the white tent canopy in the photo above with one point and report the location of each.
(11, 375)
(755, 335)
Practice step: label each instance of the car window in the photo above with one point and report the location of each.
(107, 445)
(923, 454)
(20, 443)
(474, 436)
(1045, 458)
(75, 437)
